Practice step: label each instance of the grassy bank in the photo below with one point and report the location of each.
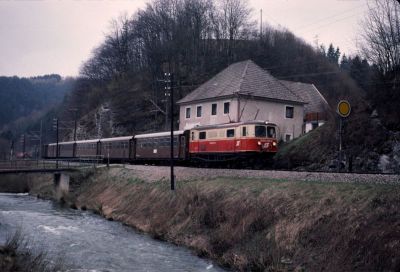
(254, 224)
(258, 224)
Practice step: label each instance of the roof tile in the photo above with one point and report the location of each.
(246, 78)
(310, 94)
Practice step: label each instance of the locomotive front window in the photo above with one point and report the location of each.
(202, 135)
(271, 132)
(230, 133)
(261, 131)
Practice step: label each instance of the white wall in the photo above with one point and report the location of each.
(206, 117)
(308, 125)
(246, 110)
(274, 112)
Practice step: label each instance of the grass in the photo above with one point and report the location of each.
(18, 255)
(259, 224)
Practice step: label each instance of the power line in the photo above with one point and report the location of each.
(330, 17)
(328, 24)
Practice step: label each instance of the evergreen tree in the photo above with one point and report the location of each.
(337, 55)
(345, 63)
(332, 54)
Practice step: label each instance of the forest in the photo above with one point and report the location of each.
(27, 100)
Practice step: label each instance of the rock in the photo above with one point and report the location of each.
(383, 164)
(374, 114)
(107, 211)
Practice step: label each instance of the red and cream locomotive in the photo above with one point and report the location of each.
(251, 141)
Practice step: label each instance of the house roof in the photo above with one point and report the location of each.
(243, 78)
(310, 94)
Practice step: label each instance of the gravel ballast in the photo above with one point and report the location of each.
(156, 173)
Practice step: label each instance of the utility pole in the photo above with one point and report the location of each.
(340, 142)
(12, 150)
(261, 24)
(40, 139)
(169, 82)
(23, 146)
(55, 127)
(75, 128)
(75, 110)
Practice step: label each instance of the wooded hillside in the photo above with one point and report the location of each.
(121, 92)
(25, 100)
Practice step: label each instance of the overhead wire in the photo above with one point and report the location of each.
(330, 17)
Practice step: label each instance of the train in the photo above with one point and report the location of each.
(250, 142)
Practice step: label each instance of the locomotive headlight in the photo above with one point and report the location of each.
(259, 143)
(273, 143)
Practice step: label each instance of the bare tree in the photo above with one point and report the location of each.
(381, 37)
(234, 18)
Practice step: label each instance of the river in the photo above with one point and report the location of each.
(88, 242)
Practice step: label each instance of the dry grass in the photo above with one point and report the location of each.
(17, 255)
(260, 224)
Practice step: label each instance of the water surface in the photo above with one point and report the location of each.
(89, 242)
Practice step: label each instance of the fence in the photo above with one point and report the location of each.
(29, 164)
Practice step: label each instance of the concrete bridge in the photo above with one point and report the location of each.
(46, 166)
(60, 169)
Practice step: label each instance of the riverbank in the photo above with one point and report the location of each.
(251, 224)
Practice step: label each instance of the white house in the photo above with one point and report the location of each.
(316, 108)
(243, 92)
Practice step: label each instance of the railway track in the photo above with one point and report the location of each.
(156, 173)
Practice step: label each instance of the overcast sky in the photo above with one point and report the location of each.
(56, 36)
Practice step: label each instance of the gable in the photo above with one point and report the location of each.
(310, 94)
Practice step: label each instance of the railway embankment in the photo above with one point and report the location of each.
(250, 220)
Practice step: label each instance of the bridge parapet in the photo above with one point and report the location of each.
(48, 165)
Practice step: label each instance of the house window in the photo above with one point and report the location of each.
(288, 137)
(213, 109)
(198, 111)
(230, 133)
(289, 112)
(244, 131)
(202, 135)
(226, 107)
(187, 113)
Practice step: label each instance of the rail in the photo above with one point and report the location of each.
(29, 164)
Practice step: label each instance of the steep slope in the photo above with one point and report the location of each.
(24, 101)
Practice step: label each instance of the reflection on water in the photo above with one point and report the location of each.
(87, 242)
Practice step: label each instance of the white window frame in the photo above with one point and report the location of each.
(284, 111)
(216, 110)
(190, 112)
(223, 107)
(291, 136)
(198, 117)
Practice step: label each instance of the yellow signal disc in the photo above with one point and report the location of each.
(344, 108)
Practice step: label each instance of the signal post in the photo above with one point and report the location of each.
(343, 110)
